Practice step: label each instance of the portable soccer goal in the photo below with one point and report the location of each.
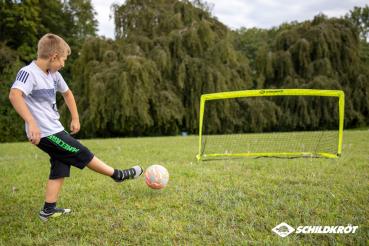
(271, 123)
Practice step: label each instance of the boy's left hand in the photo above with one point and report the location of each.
(74, 126)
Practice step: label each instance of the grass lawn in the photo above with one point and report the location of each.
(227, 202)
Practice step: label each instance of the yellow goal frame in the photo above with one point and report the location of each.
(268, 93)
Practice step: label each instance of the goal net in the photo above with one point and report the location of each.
(286, 122)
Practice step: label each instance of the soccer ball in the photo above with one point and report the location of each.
(156, 176)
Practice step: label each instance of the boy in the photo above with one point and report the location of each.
(33, 95)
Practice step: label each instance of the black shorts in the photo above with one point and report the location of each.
(64, 151)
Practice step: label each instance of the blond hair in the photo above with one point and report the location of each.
(50, 44)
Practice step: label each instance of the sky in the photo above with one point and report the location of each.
(248, 13)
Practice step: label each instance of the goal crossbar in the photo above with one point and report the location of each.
(270, 93)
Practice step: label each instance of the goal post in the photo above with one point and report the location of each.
(228, 133)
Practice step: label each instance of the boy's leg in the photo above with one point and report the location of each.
(100, 167)
(118, 175)
(80, 156)
(53, 188)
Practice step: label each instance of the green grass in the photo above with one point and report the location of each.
(229, 202)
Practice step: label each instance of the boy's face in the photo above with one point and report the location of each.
(56, 62)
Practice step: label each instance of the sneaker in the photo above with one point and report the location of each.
(56, 212)
(131, 173)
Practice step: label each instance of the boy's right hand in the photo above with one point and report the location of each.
(34, 133)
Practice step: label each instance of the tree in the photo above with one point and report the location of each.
(360, 17)
(321, 54)
(19, 25)
(167, 54)
(11, 125)
(83, 17)
(249, 41)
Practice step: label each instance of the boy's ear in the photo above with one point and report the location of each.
(53, 56)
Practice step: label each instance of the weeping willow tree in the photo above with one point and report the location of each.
(318, 54)
(149, 80)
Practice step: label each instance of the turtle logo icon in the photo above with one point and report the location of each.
(283, 229)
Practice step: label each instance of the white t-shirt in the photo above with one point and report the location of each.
(40, 90)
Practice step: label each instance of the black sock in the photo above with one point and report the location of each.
(117, 175)
(49, 206)
(120, 175)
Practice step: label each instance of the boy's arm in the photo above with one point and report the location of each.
(71, 103)
(17, 100)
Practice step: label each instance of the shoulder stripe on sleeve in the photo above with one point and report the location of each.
(26, 77)
(22, 76)
(19, 74)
